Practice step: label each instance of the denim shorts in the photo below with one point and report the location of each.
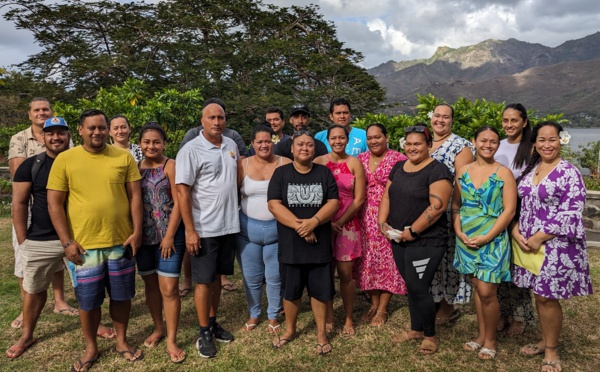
(149, 257)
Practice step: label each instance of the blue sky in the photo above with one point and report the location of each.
(397, 30)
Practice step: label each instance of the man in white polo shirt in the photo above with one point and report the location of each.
(206, 178)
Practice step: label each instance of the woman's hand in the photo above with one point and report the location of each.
(464, 238)
(167, 245)
(521, 241)
(306, 226)
(478, 241)
(336, 227)
(406, 236)
(384, 228)
(311, 238)
(534, 243)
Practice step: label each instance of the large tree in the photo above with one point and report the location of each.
(250, 54)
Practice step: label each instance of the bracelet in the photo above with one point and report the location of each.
(68, 244)
(318, 219)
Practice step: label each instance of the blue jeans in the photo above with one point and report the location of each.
(257, 255)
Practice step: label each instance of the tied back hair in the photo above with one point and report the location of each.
(535, 156)
(523, 155)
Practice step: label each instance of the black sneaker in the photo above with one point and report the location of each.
(220, 334)
(205, 345)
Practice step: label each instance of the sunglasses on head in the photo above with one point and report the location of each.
(418, 129)
(302, 132)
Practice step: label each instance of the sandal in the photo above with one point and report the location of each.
(551, 365)
(487, 354)
(379, 319)
(177, 358)
(14, 352)
(274, 329)
(109, 334)
(229, 287)
(67, 311)
(281, 342)
(83, 366)
(450, 318)
(248, 327)
(132, 353)
(17, 323)
(428, 347)
(184, 292)
(324, 349)
(532, 350)
(366, 317)
(152, 342)
(348, 331)
(472, 346)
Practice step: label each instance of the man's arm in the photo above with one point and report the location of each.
(13, 164)
(21, 193)
(56, 209)
(134, 193)
(192, 239)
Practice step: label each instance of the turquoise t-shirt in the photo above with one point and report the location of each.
(357, 141)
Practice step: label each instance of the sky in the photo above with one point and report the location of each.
(384, 30)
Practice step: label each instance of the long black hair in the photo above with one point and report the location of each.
(523, 154)
(535, 156)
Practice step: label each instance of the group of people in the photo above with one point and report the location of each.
(434, 223)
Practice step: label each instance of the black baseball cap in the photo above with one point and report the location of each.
(300, 107)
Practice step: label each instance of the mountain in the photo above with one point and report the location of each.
(561, 79)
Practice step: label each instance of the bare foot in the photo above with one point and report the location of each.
(516, 328)
(65, 309)
(348, 329)
(379, 319)
(404, 336)
(369, 314)
(501, 323)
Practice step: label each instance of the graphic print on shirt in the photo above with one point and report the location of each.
(302, 195)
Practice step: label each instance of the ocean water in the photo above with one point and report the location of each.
(581, 136)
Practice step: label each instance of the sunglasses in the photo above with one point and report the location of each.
(302, 132)
(418, 129)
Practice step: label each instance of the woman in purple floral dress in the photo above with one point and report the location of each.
(552, 199)
(376, 271)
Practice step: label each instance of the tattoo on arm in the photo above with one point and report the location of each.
(428, 215)
(437, 198)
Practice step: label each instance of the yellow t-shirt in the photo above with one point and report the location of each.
(98, 213)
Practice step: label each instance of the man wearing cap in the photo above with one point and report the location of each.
(23, 145)
(300, 120)
(339, 113)
(41, 252)
(100, 229)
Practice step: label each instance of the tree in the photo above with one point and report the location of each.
(249, 54)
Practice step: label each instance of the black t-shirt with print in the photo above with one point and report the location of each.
(303, 195)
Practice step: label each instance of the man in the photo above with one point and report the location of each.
(274, 118)
(206, 179)
(339, 113)
(23, 145)
(100, 229)
(300, 120)
(41, 252)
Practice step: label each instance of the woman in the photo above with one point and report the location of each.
(303, 197)
(376, 272)
(347, 244)
(257, 241)
(449, 286)
(163, 240)
(483, 204)
(418, 230)
(552, 200)
(120, 131)
(515, 153)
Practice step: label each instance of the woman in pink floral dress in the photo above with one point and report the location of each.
(376, 271)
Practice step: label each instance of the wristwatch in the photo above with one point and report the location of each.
(412, 233)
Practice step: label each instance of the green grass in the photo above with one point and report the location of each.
(372, 349)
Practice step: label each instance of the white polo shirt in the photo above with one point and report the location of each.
(211, 172)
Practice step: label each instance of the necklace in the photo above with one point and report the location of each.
(303, 172)
(538, 170)
(443, 138)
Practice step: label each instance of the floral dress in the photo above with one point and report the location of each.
(376, 269)
(448, 284)
(347, 245)
(555, 206)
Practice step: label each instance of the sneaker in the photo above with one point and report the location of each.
(205, 345)
(220, 334)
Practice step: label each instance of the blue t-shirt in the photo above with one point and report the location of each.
(357, 141)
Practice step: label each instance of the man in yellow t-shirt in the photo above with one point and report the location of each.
(100, 230)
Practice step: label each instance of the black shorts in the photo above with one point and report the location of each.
(216, 257)
(316, 278)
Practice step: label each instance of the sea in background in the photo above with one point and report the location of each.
(581, 136)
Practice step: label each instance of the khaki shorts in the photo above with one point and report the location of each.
(40, 260)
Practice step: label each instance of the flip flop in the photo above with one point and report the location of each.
(324, 349)
(83, 366)
(67, 311)
(17, 323)
(281, 342)
(177, 358)
(108, 335)
(152, 342)
(132, 352)
(274, 329)
(450, 318)
(249, 327)
(533, 350)
(229, 287)
(184, 292)
(348, 331)
(14, 352)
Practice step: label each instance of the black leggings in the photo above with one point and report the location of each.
(417, 265)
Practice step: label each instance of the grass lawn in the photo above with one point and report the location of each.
(372, 349)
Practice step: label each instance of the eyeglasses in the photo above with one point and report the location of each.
(303, 132)
(418, 129)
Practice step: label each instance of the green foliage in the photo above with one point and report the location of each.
(5, 186)
(6, 133)
(588, 156)
(251, 55)
(175, 111)
(592, 183)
